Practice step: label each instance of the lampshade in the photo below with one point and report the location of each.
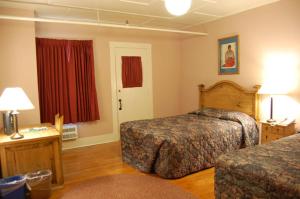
(13, 99)
(178, 7)
(272, 90)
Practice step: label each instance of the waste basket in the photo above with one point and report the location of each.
(39, 184)
(12, 187)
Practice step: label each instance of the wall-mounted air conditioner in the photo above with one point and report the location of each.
(69, 132)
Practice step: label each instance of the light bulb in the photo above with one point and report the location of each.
(178, 7)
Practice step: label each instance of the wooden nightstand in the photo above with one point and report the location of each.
(274, 132)
(38, 150)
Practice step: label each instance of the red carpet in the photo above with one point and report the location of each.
(125, 186)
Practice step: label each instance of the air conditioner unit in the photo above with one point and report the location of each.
(69, 132)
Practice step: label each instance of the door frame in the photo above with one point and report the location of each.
(113, 46)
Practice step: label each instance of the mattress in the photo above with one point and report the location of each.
(176, 146)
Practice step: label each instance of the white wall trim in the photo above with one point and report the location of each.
(89, 141)
(113, 46)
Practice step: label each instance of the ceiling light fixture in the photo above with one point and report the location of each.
(178, 7)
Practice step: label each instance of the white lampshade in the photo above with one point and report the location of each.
(13, 99)
(178, 7)
(272, 90)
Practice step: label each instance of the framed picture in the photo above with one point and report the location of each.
(228, 55)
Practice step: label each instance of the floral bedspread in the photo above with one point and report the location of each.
(176, 146)
(265, 171)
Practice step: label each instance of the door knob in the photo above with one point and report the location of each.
(120, 104)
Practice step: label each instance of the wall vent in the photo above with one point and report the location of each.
(69, 132)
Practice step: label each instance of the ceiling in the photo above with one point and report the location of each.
(144, 13)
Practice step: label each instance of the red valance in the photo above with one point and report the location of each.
(132, 72)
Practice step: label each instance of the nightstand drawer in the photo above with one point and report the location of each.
(266, 128)
(273, 137)
(272, 129)
(290, 130)
(278, 130)
(270, 137)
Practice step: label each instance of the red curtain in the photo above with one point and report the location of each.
(66, 80)
(132, 73)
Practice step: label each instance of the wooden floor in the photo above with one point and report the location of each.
(100, 160)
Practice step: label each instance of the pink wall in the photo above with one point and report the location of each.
(18, 63)
(269, 30)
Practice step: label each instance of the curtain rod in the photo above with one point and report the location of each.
(38, 19)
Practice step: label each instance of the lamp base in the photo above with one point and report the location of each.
(271, 121)
(16, 136)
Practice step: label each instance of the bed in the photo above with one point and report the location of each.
(176, 146)
(265, 171)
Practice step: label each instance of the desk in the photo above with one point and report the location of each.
(36, 151)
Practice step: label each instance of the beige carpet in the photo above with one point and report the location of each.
(125, 186)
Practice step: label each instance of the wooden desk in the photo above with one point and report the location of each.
(36, 151)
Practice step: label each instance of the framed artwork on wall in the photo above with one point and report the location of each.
(229, 55)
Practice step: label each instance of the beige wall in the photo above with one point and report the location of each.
(18, 63)
(269, 30)
(166, 60)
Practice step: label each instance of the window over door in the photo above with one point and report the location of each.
(132, 73)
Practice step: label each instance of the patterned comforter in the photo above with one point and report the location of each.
(176, 146)
(266, 171)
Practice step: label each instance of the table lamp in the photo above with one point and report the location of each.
(265, 90)
(14, 99)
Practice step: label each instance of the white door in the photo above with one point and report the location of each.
(133, 103)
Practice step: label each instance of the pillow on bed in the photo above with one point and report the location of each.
(250, 129)
(210, 112)
(222, 114)
(236, 116)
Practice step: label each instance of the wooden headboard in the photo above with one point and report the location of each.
(230, 96)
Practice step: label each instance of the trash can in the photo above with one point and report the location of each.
(12, 187)
(39, 184)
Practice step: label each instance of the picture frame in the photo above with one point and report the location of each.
(229, 62)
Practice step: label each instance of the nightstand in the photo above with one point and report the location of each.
(271, 132)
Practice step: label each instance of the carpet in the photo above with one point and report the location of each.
(126, 186)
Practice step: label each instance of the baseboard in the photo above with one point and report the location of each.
(89, 141)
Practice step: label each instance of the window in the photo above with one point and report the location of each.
(66, 80)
